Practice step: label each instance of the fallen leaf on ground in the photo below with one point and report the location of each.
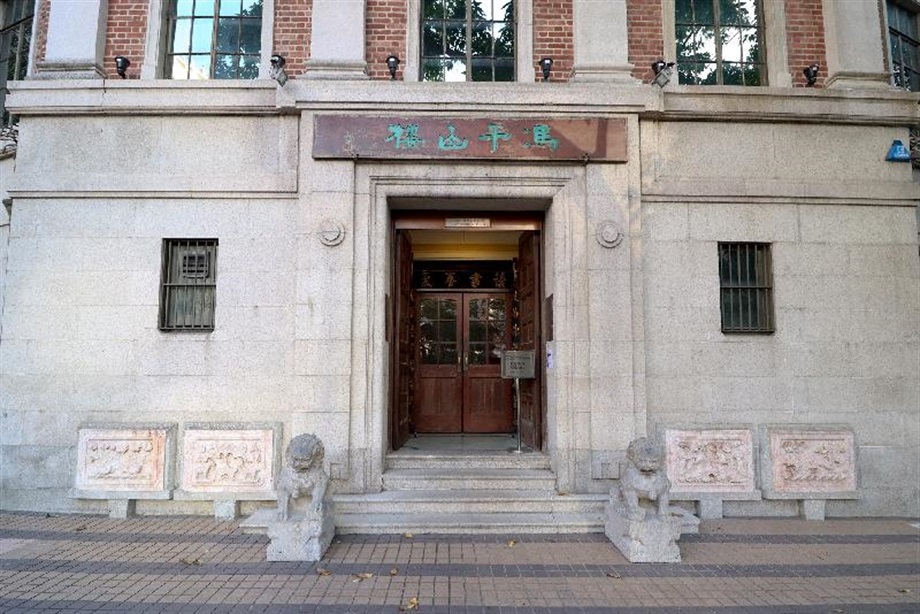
(412, 604)
(80, 528)
(511, 543)
(408, 535)
(394, 571)
(613, 574)
(358, 577)
(190, 561)
(903, 590)
(323, 572)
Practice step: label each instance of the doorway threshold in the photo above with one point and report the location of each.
(459, 445)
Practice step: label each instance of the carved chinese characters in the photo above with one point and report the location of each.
(354, 136)
(121, 460)
(227, 461)
(812, 462)
(712, 461)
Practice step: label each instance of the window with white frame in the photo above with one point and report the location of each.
(213, 39)
(16, 18)
(720, 42)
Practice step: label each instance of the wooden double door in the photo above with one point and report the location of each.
(460, 338)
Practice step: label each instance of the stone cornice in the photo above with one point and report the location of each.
(263, 97)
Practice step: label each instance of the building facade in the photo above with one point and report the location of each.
(228, 223)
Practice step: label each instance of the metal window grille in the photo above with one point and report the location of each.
(15, 40)
(188, 284)
(720, 42)
(904, 38)
(214, 39)
(746, 287)
(468, 40)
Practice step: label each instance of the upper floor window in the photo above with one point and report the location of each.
(905, 46)
(468, 40)
(214, 39)
(15, 39)
(720, 42)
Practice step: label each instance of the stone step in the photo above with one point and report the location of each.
(421, 460)
(468, 501)
(461, 523)
(469, 479)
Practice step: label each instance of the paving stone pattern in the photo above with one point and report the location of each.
(196, 564)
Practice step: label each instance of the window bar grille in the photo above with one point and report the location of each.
(189, 284)
(746, 287)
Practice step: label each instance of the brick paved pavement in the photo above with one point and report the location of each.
(196, 564)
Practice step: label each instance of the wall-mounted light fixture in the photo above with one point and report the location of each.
(546, 65)
(277, 72)
(392, 66)
(121, 66)
(811, 75)
(662, 72)
(898, 152)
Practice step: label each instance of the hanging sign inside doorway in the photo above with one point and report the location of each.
(517, 364)
(360, 136)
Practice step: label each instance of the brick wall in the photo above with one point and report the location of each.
(805, 39)
(553, 36)
(646, 37)
(293, 25)
(43, 10)
(125, 34)
(387, 22)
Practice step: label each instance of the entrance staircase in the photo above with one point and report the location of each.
(485, 492)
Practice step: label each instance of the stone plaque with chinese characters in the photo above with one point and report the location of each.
(227, 461)
(710, 461)
(812, 462)
(121, 460)
(351, 136)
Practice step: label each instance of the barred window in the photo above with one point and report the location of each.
(746, 282)
(468, 40)
(214, 39)
(904, 40)
(188, 284)
(15, 39)
(720, 42)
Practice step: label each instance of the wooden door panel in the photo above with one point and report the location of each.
(438, 405)
(531, 426)
(487, 404)
(404, 342)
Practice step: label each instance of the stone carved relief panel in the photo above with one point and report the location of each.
(125, 460)
(710, 461)
(230, 461)
(812, 461)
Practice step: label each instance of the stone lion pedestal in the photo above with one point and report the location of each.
(303, 526)
(302, 537)
(640, 520)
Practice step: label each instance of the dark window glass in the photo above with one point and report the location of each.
(15, 42)
(214, 39)
(188, 284)
(905, 46)
(467, 40)
(719, 42)
(746, 287)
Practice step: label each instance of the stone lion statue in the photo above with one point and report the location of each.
(302, 474)
(645, 478)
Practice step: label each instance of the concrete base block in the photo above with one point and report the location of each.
(813, 509)
(121, 508)
(303, 537)
(652, 539)
(226, 509)
(710, 508)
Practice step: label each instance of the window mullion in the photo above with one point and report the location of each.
(717, 31)
(469, 40)
(214, 29)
